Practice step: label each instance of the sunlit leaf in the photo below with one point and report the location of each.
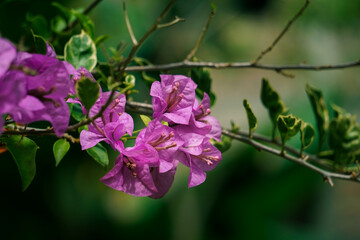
(23, 150)
(272, 101)
(99, 154)
(224, 144)
(288, 127)
(80, 51)
(145, 119)
(321, 112)
(101, 39)
(307, 134)
(344, 137)
(60, 148)
(252, 120)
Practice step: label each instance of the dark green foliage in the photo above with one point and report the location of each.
(272, 101)
(60, 148)
(23, 150)
(252, 120)
(202, 78)
(321, 112)
(99, 154)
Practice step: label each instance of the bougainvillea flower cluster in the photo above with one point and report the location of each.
(180, 132)
(37, 87)
(34, 87)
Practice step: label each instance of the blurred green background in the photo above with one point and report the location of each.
(250, 195)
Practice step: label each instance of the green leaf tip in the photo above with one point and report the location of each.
(321, 112)
(80, 50)
(307, 134)
(60, 148)
(288, 126)
(23, 151)
(145, 120)
(252, 120)
(272, 101)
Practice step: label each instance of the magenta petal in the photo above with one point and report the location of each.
(29, 110)
(1, 124)
(7, 55)
(59, 116)
(163, 181)
(50, 51)
(90, 139)
(215, 131)
(196, 176)
(13, 89)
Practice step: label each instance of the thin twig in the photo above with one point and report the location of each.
(282, 33)
(201, 37)
(173, 22)
(86, 11)
(128, 25)
(222, 65)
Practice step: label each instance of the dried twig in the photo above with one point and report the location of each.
(282, 33)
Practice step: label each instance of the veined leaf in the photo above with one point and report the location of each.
(272, 101)
(288, 127)
(23, 150)
(99, 154)
(252, 120)
(321, 112)
(88, 92)
(60, 148)
(80, 51)
(40, 43)
(307, 134)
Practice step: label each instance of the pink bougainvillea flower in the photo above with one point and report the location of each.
(199, 155)
(132, 171)
(46, 89)
(162, 181)
(200, 121)
(173, 98)
(113, 124)
(7, 55)
(164, 139)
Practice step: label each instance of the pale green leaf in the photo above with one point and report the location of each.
(145, 119)
(60, 148)
(80, 50)
(252, 120)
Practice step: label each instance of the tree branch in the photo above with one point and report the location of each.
(249, 65)
(282, 33)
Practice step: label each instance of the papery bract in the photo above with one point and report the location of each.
(7, 55)
(131, 172)
(173, 98)
(113, 124)
(200, 158)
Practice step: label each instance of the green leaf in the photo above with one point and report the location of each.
(202, 78)
(224, 144)
(321, 112)
(23, 150)
(64, 10)
(272, 101)
(58, 24)
(40, 43)
(80, 51)
(145, 119)
(101, 39)
(252, 120)
(39, 25)
(307, 134)
(344, 137)
(88, 92)
(85, 22)
(99, 154)
(60, 148)
(76, 111)
(288, 127)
